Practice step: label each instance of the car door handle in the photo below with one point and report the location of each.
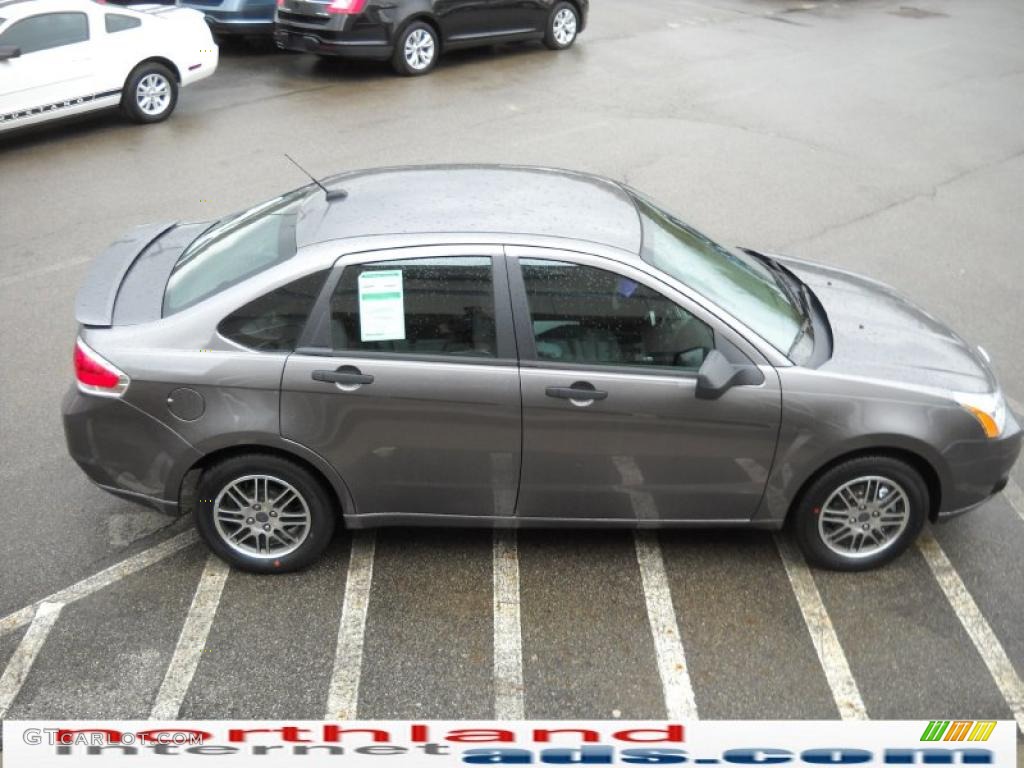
(346, 375)
(576, 392)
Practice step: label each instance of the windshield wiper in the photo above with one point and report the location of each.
(796, 291)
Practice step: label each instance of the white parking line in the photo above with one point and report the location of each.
(343, 695)
(1015, 496)
(46, 615)
(981, 634)
(191, 641)
(668, 645)
(98, 581)
(508, 638)
(823, 634)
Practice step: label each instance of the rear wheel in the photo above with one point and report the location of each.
(861, 513)
(264, 514)
(416, 50)
(150, 93)
(563, 25)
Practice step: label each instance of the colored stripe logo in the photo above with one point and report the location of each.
(958, 730)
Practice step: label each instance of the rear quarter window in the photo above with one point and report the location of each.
(274, 321)
(118, 22)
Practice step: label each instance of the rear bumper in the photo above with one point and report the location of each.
(125, 451)
(368, 36)
(979, 469)
(225, 26)
(304, 41)
(200, 67)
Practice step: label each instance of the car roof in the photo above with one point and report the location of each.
(13, 9)
(465, 199)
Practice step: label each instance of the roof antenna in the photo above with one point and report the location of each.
(336, 194)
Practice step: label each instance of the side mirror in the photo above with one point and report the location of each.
(717, 375)
(9, 52)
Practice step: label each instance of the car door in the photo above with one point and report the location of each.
(519, 17)
(463, 21)
(407, 382)
(54, 65)
(643, 446)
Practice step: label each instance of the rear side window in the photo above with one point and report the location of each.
(273, 322)
(442, 306)
(585, 315)
(117, 22)
(48, 30)
(234, 250)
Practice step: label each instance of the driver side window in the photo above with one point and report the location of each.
(45, 31)
(585, 315)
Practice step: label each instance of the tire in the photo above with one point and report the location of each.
(232, 496)
(416, 50)
(162, 92)
(829, 519)
(563, 27)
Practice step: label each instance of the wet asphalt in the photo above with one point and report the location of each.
(882, 136)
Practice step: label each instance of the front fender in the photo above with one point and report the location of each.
(825, 418)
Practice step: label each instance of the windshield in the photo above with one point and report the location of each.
(233, 250)
(742, 285)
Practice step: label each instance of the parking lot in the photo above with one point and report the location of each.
(882, 136)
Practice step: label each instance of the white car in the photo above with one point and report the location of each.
(64, 57)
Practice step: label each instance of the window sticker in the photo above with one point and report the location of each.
(381, 306)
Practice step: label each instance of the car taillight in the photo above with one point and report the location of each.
(95, 375)
(346, 6)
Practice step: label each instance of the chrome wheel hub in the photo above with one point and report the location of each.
(261, 516)
(863, 516)
(153, 94)
(564, 28)
(419, 49)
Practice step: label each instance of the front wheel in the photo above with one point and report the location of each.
(416, 50)
(264, 514)
(861, 514)
(150, 93)
(563, 25)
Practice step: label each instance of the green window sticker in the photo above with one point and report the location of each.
(381, 306)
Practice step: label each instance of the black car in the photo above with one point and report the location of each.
(412, 33)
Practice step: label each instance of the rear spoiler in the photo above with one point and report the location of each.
(94, 304)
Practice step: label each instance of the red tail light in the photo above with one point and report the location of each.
(95, 375)
(346, 6)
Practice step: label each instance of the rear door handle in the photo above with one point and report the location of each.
(346, 375)
(580, 391)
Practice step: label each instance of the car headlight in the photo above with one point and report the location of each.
(989, 409)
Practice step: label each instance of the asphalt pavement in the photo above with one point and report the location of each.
(882, 136)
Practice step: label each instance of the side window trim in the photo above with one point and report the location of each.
(316, 337)
(523, 325)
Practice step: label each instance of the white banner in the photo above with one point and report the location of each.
(266, 744)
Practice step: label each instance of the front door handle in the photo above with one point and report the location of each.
(581, 391)
(346, 375)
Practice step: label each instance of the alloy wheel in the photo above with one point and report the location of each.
(153, 94)
(419, 49)
(864, 516)
(261, 516)
(564, 26)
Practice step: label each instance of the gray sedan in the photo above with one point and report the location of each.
(513, 347)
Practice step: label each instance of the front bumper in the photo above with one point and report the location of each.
(125, 451)
(979, 469)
